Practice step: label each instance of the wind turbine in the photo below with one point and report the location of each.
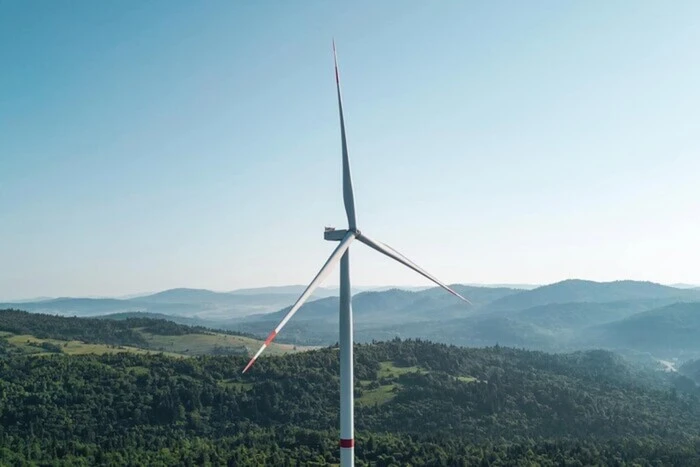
(342, 254)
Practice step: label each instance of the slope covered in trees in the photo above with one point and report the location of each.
(675, 326)
(55, 327)
(52, 333)
(418, 403)
(691, 369)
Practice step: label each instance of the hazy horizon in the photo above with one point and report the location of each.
(358, 287)
(147, 146)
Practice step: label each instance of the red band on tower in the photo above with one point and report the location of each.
(347, 443)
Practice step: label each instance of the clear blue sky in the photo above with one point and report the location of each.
(149, 145)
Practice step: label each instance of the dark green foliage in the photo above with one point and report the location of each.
(55, 327)
(48, 346)
(160, 326)
(451, 406)
(95, 330)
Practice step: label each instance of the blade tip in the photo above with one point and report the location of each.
(247, 367)
(465, 299)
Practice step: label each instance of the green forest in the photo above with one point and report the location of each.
(417, 403)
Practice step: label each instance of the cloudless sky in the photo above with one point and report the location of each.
(154, 144)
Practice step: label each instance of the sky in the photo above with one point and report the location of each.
(159, 144)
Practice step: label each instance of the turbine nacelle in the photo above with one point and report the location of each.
(334, 235)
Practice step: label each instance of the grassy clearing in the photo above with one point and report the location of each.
(390, 371)
(24, 343)
(27, 344)
(212, 344)
(380, 395)
(466, 379)
(174, 346)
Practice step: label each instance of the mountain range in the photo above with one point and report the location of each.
(568, 315)
(180, 302)
(639, 317)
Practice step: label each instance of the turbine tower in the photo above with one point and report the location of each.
(342, 254)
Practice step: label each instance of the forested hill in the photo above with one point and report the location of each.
(418, 403)
(40, 333)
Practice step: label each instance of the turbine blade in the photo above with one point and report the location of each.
(391, 253)
(348, 196)
(332, 260)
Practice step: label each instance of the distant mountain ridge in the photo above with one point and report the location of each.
(189, 302)
(621, 298)
(180, 302)
(395, 305)
(685, 286)
(568, 315)
(285, 290)
(577, 290)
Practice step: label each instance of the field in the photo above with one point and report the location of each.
(388, 386)
(185, 345)
(387, 377)
(213, 344)
(32, 345)
(391, 371)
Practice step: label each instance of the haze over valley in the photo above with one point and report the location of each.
(635, 318)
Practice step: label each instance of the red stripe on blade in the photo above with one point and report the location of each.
(347, 443)
(270, 337)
